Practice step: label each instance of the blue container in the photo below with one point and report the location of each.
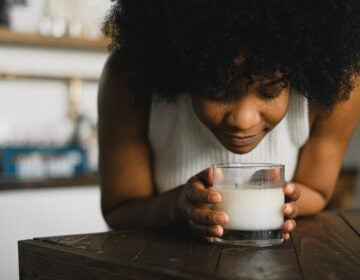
(25, 162)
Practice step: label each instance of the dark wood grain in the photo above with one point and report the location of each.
(127, 244)
(114, 253)
(42, 260)
(327, 248)
(278, 262)
(352, 217)
(180, 250)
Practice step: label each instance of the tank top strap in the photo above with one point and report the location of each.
(298, 118)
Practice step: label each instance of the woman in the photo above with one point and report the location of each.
(191, 83)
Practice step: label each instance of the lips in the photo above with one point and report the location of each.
(240, 141)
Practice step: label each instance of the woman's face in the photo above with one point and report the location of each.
(242, 122)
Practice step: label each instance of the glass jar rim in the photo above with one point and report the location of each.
(245, 165)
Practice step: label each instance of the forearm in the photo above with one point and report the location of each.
(310, 201)
(155, 211)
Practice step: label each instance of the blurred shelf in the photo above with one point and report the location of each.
(9, 37)
(83, 180)
(33, 76)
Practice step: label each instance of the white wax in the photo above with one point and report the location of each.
(252, 209)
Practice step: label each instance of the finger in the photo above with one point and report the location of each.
(275, 174)
(209, 231)
(286, 236)
(198, 194)
(205, 177)
(292, 192)
(289, 225)
(290, 210)
(216, 175)
(210, 239)
(204, 216)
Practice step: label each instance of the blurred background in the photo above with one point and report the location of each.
(51, 56)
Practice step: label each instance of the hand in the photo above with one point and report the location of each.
(290, 210)
(194, 200)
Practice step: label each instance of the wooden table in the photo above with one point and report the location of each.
(326, 246)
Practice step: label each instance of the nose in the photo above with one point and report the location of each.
(244, 114)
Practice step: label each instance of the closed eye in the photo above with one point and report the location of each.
(273, 89)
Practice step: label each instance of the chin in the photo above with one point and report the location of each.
(240, 150)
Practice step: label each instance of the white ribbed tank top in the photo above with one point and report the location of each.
(183, 146)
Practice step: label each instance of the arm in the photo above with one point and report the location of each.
(128, 198)
(321, 157)
(127, 188)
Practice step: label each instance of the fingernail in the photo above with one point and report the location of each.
(220, 219)
(219, 231)
(216, 231)
(291, 227)
(289, 188)
(214, 198)
(287, 209)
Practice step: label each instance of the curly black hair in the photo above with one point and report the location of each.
(171, 47)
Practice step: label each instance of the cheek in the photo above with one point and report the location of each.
(276, 110)
(209, 113)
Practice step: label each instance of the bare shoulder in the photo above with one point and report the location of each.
(118, 102)
(341, 121)
(115, 94)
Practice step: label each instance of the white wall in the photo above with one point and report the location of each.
(25, 214)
